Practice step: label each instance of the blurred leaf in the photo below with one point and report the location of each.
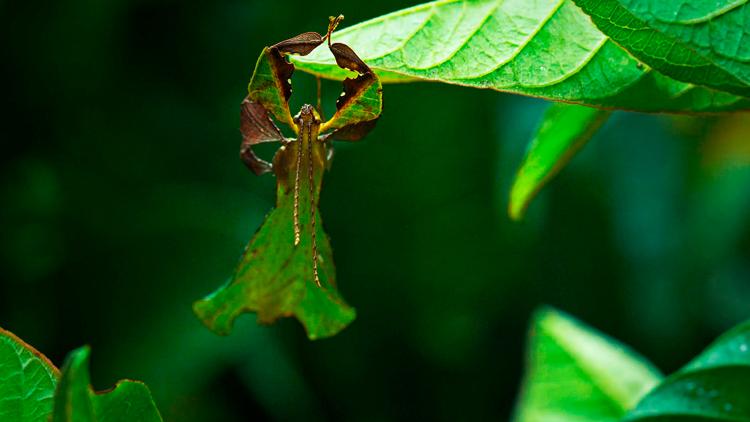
(27, 381)
(726, 144)
(700, 42)
(547, 49)
(715, 386)
(76, 401)
(564, 131)
(577, 374)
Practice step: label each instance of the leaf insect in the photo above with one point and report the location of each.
(287, 269)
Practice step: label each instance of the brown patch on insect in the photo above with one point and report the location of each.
(346, 58)
(256, 127)
(354, 132)
(301, 44)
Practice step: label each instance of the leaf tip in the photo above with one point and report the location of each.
(545, 313)
(207, 314)
(519, 200)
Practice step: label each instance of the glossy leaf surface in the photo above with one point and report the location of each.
(565, 129)
(575, 374)
(541, 48)
(76, 401)
(27, 381)
(701, 42)
(715, 386)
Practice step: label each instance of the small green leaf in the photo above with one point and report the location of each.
(715, 386)
(565, 129)
(547, 49)
(575, 374)
(76, 401)
(27, 381)
(701, 42)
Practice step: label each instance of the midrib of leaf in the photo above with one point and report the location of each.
(23, 383)
(601, 384)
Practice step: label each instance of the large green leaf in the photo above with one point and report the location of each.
(715, 386)
(699, 41)
(575, 374)
(76, 401)
(565, 129)
(542, 48)
(27, 381)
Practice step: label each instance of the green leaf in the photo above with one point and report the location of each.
(701, 42)
(575, 374)
(76, 401)
(277, 274)
(565, 129)
(547, 49)
(27, 381)
(715, 386)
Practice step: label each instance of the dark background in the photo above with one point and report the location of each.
(122, 200)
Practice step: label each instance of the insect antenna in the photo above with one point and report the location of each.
(333, 22)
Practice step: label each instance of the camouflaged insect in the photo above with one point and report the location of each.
(287, 269)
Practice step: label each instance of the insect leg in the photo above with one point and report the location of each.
(296, 193)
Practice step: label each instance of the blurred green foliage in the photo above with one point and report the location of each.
(577, 374)
(123, 199)
(76, 401)
(574, 373)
